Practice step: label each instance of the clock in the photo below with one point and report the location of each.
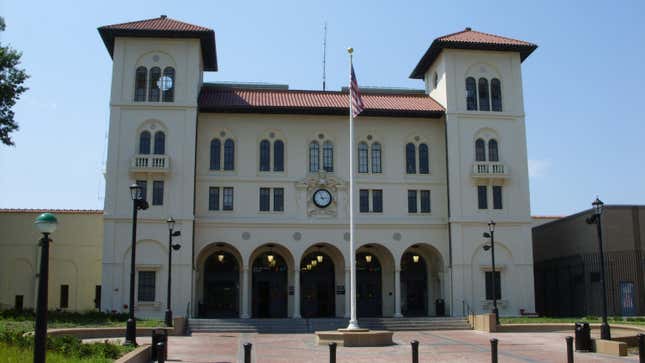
(322, 198)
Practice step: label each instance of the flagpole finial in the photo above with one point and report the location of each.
(350, 50)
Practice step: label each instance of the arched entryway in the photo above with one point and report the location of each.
(270, 285)
(368, 285)
(220, 298)
(414, 285)
(421, 281)
(317, 281)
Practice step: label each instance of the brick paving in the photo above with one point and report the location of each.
(434, 346)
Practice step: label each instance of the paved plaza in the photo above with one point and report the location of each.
(435, 346)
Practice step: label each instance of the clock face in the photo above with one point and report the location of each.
(322, 198)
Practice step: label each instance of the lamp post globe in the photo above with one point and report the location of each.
(46, 224)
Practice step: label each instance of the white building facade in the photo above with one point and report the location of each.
(256, 177)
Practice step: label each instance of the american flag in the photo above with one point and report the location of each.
(357, 101)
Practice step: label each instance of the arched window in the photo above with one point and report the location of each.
(140, 84)
(144, 143)
(265, 155)
(229, 154)
(216, 147)
(153, 93)
(376, 158)
(496, 94)
(480, 150)
(471, 94)
(484, 102)
(160, 143)
(278, 155)
(328, 156)
(493, 153)
(314, 157)
(424, 161)
(362, 157)
(168, 84)
(410, 159)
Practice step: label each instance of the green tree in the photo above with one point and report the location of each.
(11, 80)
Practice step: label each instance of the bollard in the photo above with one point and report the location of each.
(161, 353)
(569, 349)
(641, 348)
(332, 352)
(415, 351)
(247, 352)
(493, 350)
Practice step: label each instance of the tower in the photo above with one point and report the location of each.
(477, 78)
(156, 77)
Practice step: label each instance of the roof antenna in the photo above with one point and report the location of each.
(324, 54)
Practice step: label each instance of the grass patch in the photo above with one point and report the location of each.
(14, 354)
(589, 319)
(24, 320)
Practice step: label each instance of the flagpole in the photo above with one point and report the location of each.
(353, 321)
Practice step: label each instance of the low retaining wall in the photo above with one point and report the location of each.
(483, 322)
(143, 354)
(116, 332)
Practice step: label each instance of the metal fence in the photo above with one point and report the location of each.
(571, 286)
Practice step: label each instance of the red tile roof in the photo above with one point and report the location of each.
(471, 39)
(227, 99)
(163, 27)
(55, 211)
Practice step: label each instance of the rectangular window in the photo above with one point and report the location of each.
(412, 201)
(228, 198)
(482, 197)
(144, 188)
(157, 192)
(19, 302)
(377, 201)
(265, 195)
(497, 197)
(278, 199)
(425, 201)
(146, 286)
(364, 196)
(213, 198)
(97, 297)
(489, 285)
(64, 296)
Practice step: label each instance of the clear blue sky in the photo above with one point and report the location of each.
(584, 87)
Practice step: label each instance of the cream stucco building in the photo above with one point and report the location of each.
(74, 259)
(256, 177)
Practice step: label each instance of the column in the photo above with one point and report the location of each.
(245, 294)
(397, 293)
(296, 295)
(347, 292)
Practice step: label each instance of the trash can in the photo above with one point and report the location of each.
(159, 336)
(583, 337)
(440, 307)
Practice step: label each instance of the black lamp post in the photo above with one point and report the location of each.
(491, 234)
(171, 247)
(138, 202)
(46, 224)
(595, 218)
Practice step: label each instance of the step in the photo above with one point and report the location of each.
(319, 324)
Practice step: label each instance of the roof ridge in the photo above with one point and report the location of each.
(455, 33)
(43, 210)
(313, 91)
(484, 33)
(161, 17)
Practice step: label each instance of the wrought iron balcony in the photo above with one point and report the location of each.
(490, 169)
(150, 163)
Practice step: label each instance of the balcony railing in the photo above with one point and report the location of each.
(150, 163)
(488, 169)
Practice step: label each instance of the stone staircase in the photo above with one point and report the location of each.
(296, 326)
